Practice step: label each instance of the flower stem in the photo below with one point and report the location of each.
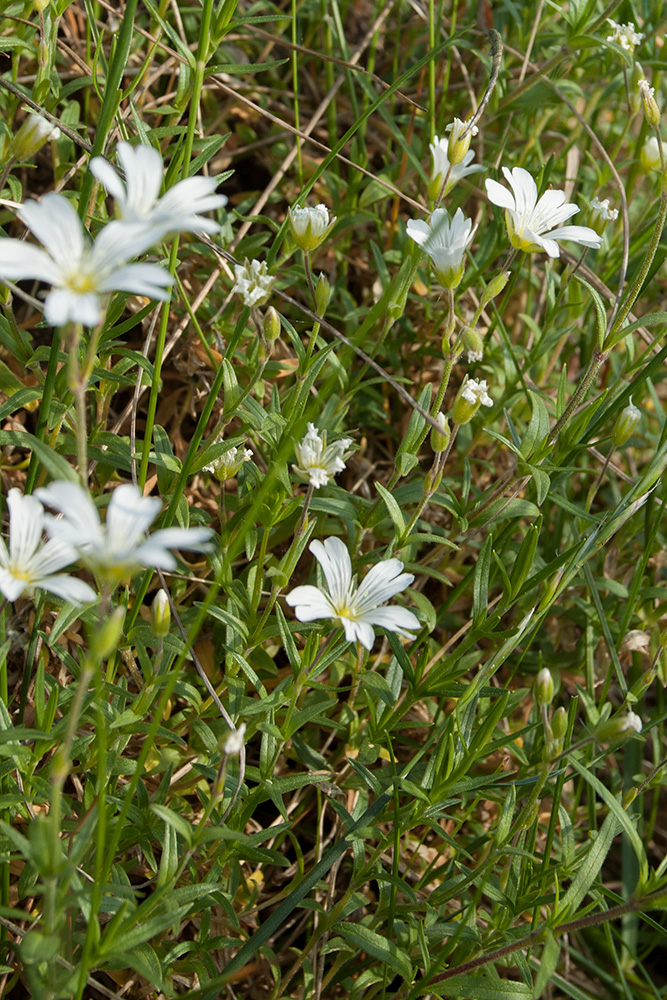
(309, 276)
(304, 515)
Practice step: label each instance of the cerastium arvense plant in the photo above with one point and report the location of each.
(333, 636)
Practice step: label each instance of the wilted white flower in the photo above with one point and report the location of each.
(445, 243)
(118, 548)
(357, 609)
(458, 143)
(318, 462)
(310, 226)
(228, 464)
(472, 394)
(234, 742)
(634, 640)
(624, 35)
(618, 728)
(253, 282)
(80, 272)
(530, 223)
(35, 130)
(632, 723)
(650, 154)
(29, 565)
(601, 212)
(440, 167)
(138, 199)
(651, 109)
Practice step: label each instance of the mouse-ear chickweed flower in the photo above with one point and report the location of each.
(651, 109)
(118, 548)
(138, 199)
(234, 743)
(618, 728)
(445, 242)
(227, 465)
(459, 140)
(534, 226)
(601, 213)
(310, 226)
(29, 565)
(472, 394)
(624, 35)
(441, 167)
(80, 272)
(35, 130)
(356, 608)
(317, 461)
(253, 282)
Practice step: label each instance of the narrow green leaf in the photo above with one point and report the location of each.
(364, 939)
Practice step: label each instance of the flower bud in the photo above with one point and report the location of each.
(40, 5)
(228, 464)
(473, 343)
(459, 143)
(35, 130)
(472, 394)
(650, 154)
(160, 614)
(440, 439)
(651, 109)
(494, 288)
(618, 728)
(271, 324)
(559, 723)
(234, 742)
(106, 637)
(310, 226)
(322, 294)
(544, 688)
(625, 424)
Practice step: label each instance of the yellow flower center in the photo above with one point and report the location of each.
(81, 283)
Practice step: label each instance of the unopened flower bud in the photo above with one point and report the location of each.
(650, 154)
(271, 324)
(440, 439)
(35, 130)
(651, 109)
(494, 288)
(544, 687)
(619, 728)
(473, 343)
(472, 394)
(160, 614)
(559, 723)
(106, 637)
(310, 226)
(322, 294)
(459, 140)
(625, 424)
(40, 5)
(234, 742)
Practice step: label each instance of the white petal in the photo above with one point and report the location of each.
(129, 515)
(383, 581)
(108, 178)
(26, 521)
(195, 539)
(524, 187)
(395, 619)
(80, 517)
(140, 279)
(577, 234)
(499, 195)
(144, 169)
(56, 225)
(309, 603)
(418, 230)
(54, 555)
(19, 260)
(10, 587)
(63, 306)
(360, 630)
(71, 589)
(334, 559)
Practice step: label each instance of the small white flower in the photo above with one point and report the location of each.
(318, 462)
(228, 464)
(650, 154)
(475, 355)
(530, 223)
(445, 243)
(234, 742)
(602, 212)
(624, 35)
(28, 565)
(646, 91)
(631, 723)
(357, 609)
(476, 391)
(310, 226)
(80, 272)
(440, 167)
(253, 282)
(138, 200)
(35, 130)
(119, 548)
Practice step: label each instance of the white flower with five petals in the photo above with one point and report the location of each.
(534, 226)
(28, 565)
(138, 199)
(317, 461)
(118, 548)
(356, 608)
(445, 242)
(81, 273)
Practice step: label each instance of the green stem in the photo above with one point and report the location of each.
(44, 408)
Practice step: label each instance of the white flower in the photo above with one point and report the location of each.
(530, 223)
(234, 742)
(253, 282)
(310, 226)
(228, 464)
(650, 154)
(602, 212)
(624, 35)
(138, 200)
(646, 91)
(475, 392)
(29, 565)
(117, 549)
(631, 723)
(79, 271)
(356, 608)
(317, 461)
(440, 167)
(33, 133)
(445, 242)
